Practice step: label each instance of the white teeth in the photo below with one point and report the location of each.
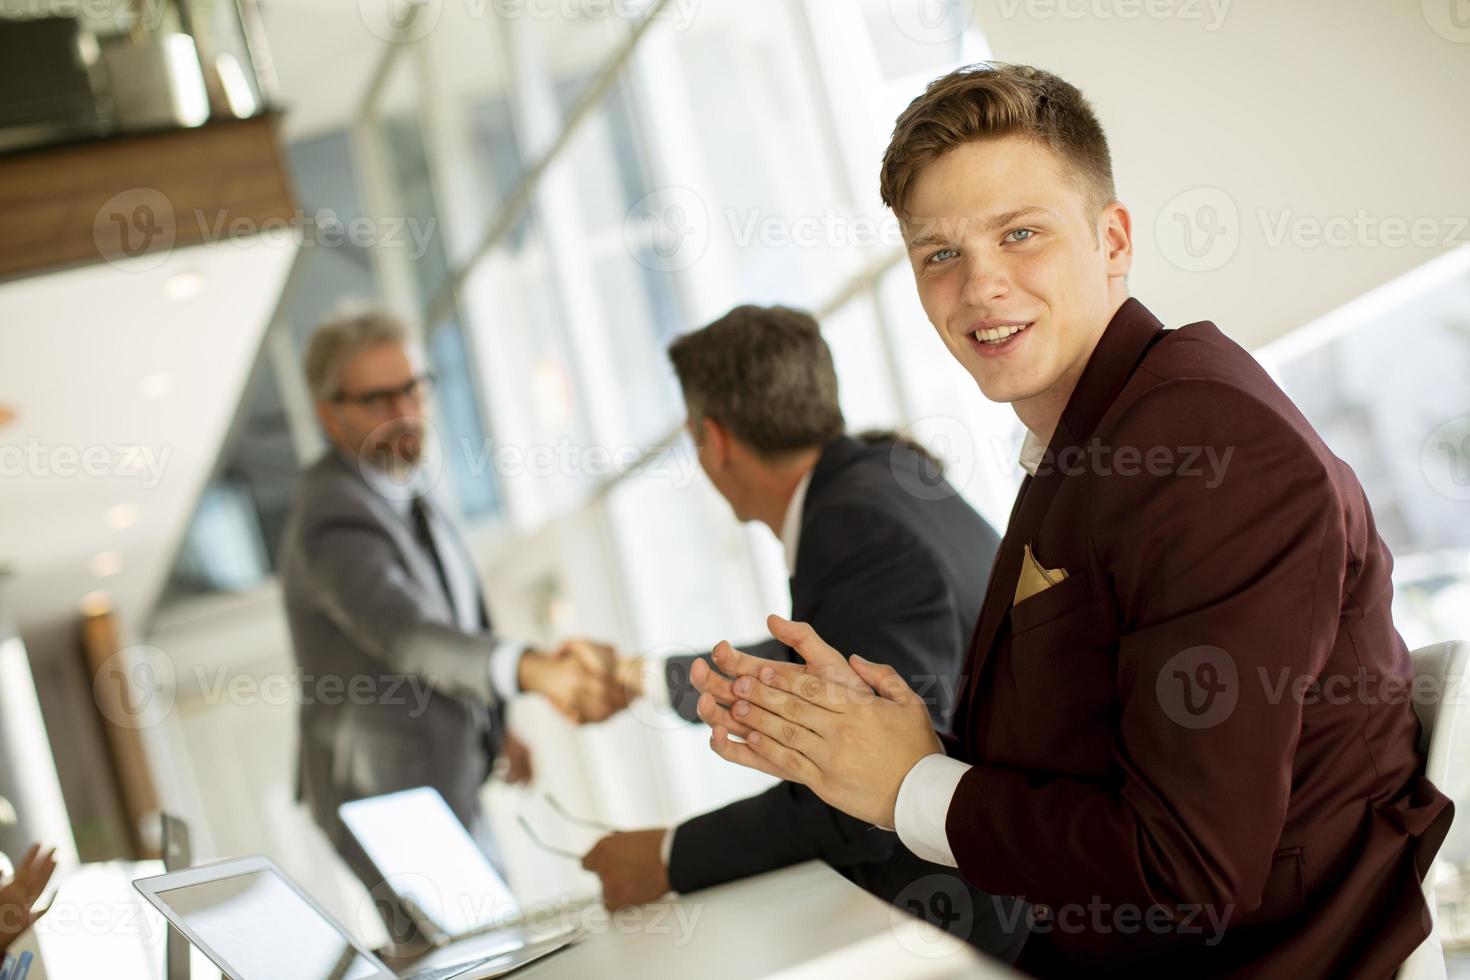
(997, 334)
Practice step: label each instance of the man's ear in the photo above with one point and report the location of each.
(328, 419)
(1117, 238)
(716, 440)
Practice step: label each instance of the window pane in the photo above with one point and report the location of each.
(767, 184)
(326, 178)
(413, 240)
(1399, 420)
(529, 381)
(232, 540)
(630, 301)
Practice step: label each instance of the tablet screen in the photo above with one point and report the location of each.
(232, 915)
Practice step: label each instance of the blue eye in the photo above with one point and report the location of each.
(934, 257)
(1021, 231)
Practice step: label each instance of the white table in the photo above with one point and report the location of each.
(799, 922)
(99, 926)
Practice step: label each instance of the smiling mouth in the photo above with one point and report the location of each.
(993, 340)
(999, 335)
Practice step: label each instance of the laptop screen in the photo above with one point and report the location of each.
(427, 857)
(232, 915)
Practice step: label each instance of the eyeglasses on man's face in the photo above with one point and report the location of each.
(380, 401)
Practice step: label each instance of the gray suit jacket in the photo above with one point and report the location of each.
(395, 695)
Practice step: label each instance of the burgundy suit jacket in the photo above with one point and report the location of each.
(1195, 754)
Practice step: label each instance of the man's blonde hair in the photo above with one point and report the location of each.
(989, 100)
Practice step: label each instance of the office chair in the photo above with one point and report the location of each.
(1443, 668)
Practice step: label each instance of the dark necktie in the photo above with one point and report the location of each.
(425, 535)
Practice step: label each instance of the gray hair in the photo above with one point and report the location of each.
(766, 374)
(343, 334)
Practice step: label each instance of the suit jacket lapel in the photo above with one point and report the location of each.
(1127, 338)
(397, 527)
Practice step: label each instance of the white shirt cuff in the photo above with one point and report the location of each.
(505, 665)
(666, 848)
(922, 807)
(653, 681)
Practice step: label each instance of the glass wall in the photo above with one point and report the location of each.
(1403, 424)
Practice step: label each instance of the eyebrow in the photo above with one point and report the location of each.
(989, 224)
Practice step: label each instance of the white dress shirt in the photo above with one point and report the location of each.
(790, 539)
(464, 583)
(922, 809)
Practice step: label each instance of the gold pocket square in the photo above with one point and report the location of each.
(1035, 577)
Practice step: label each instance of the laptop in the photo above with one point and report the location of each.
(255, 923)
(436, 871)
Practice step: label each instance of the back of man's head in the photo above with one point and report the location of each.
(765, 374)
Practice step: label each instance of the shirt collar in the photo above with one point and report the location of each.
(791, 523)
(1032, 451)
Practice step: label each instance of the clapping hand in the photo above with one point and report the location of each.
(18, 895)
(849, 730)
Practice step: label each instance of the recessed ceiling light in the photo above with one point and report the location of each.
(183, 285)
(97, 603)
(156, 385)
(105, 564)
(122, 516)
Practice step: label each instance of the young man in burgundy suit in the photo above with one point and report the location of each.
(1185, 735)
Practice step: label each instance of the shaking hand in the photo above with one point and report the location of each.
(580, 679)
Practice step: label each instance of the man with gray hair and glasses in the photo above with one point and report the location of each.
(384, 603)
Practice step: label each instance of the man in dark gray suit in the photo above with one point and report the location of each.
(880, 550)
(404, 678)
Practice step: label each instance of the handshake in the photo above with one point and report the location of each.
(585, 680)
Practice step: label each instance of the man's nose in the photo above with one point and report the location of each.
(985, 281)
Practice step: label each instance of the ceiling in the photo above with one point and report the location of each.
(123, 379)
(325, 52)
(324, 56)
